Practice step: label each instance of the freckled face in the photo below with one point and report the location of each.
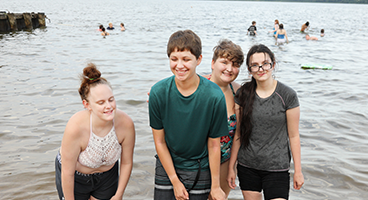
(101, 102)
(183, 65)
(224, 70)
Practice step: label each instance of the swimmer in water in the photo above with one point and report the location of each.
(111, 27)
(307, 37)
(281, 35)
(304, 27)
(275, 28)
(104, 33)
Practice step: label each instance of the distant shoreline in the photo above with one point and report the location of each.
(316, 1)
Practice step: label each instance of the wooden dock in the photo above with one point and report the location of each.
(21, 21)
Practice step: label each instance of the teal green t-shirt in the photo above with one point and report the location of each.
(188, 121)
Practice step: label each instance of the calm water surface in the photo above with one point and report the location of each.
(39, 81)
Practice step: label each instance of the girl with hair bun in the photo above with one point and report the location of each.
(87, 164)
(267, 133)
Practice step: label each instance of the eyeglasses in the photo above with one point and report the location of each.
(264, 66)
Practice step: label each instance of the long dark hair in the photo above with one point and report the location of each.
(246, 97)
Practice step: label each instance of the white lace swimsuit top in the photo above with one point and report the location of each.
(101, 150)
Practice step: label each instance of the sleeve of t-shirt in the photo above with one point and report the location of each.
(154, 110)
(291, 100)
(255, 28)
(249, 29)
(219, 120)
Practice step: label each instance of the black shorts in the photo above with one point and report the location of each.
(273, 184)
(99, 185)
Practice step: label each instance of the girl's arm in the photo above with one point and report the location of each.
(293, 116)
(70, 150)
(126, 160)
(234, 151)
(166, 161)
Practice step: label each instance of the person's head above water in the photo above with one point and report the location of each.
(185, 40)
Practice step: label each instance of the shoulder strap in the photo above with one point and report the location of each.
(232, 89)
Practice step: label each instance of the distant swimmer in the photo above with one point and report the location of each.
(122, 27)
(111, 27)
(304, 27)
(322, 32)
(252, 30)
(104, 33)
(100, 27)
(275, 28)
(307, 37)
(281, 35)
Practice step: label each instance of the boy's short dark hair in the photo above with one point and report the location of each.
(253, 22)
(185, 40)
(227, 49)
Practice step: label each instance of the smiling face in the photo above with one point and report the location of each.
(101, 102)
(258, 59)
(183, 65)
(224, 70)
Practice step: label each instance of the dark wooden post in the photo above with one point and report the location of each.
(20, 21)
(41, 19)
(27, 21)
(12, 22)
(4, 23)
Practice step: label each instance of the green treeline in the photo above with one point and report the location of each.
(319, 1)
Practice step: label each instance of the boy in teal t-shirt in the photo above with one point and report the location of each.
(187, 116)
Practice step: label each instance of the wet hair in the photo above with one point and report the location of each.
(281, 26)
(101, 26)
(307, 23)
(90, 78)
(277, 21)
(185, 40)
(253, 22)
(246, 96)
(103, 29)
(227, 49)
(322, 30)
(122, 24)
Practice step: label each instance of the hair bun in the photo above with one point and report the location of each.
(91, 72)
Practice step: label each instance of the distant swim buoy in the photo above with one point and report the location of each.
(316, 66)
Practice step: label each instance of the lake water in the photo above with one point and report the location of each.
(39, 82)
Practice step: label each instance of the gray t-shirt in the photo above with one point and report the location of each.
(269, 143)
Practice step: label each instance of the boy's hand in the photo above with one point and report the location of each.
(217, 194)
(179, 191)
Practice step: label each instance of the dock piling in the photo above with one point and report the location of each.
(21, 21)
